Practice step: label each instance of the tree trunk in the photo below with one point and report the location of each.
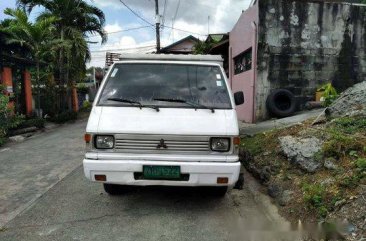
(68, 84)
(61, 69)
(39, 114)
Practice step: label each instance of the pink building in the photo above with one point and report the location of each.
(243, 43)
(280, 52)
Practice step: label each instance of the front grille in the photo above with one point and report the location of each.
(150, 143)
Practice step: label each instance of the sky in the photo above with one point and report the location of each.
(128, 33)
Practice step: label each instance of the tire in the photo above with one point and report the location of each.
(281, 103)
(240, 183)
(113, 189)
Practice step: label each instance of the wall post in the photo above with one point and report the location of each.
(7, 81)
(27, 92)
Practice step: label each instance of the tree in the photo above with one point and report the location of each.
(73, 16)
(201, 47)
(37, 37)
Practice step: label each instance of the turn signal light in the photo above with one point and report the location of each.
(237, 140)
(87, 138)
(101, 178)
(222, 180)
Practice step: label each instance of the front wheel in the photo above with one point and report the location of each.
(114, 189)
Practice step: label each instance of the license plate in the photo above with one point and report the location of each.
(161, 172)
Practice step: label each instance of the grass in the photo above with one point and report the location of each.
(351, 125)
(319, 199)
(253, 144)
(344, 142)
(340, 144)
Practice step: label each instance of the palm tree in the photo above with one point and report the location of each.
(37, 37)
(71, 13)
(73, 16)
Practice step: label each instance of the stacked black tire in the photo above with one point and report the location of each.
(281, 103)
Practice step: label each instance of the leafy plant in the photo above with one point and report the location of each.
(351, 181)
(351, 125)
(82, 88)
(86, 106)
(5, 112)
(75, 20)
(254, 145)
(361, 163)
(201, 47)
(7, 118)
(329, 94)
(353, 153)
(37, 122)
(37, 37)
(340, 145)
(314, 197)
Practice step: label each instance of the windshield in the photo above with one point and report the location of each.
(150, 84)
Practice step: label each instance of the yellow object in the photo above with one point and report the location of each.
(319, 95)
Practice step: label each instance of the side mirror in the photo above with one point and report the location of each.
(239, 98)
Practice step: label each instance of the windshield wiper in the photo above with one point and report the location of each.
(134, 102)
(195, 105)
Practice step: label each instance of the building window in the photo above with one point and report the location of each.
(243, 62)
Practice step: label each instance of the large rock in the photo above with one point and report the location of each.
(301, 151)
(285, 198)
(329, 164)
(351, 102)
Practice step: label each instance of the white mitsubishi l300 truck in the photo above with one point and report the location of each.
(164, 120)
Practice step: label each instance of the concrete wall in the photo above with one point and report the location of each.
(305, 44)
(243, 37)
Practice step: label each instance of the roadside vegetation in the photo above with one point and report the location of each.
(318, 195)
(55, 45)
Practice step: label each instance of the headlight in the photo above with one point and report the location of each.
(104, 142)
(220, 144)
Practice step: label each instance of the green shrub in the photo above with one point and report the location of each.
(330, 94)
(37, 122)
(351, 181)
(361, 163)
(82, 88)
(64, 117)
(86, 106)
(340, 144)
(253, 144)
(7, 118)
(313, 194)
(314, 197)
(351, 125)
(15, 120)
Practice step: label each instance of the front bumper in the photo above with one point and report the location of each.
(200, 173)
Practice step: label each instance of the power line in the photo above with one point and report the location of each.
(165, 6)
(136, 14)
(108, 50)
(184, 30)
(176, 12)
(173, 20)
(124, 30)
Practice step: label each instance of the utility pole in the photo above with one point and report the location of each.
(94, 79)
(157, 26)
(208, 25)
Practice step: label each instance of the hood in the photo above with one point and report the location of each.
(168, 121)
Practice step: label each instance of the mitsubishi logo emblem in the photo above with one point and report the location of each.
(162, 145)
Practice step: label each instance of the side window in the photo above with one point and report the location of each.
(243, 62)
